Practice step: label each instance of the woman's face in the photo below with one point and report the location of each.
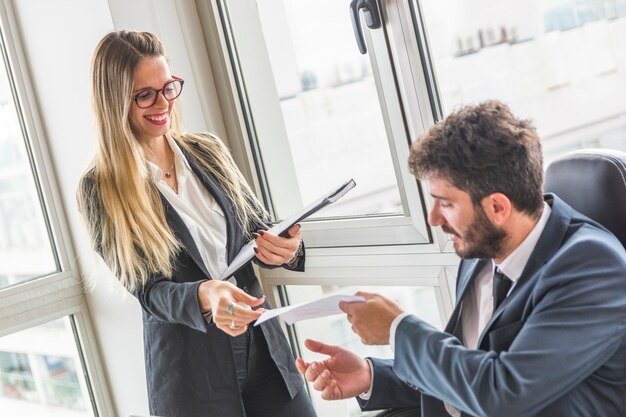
(153, 122)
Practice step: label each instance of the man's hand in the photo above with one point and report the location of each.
(342, 375)
(372, 319)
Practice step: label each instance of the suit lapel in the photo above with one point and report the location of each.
(465, 279)
(551, 238)
(182, 232)
(184, 236)
(548, 243)
(233, 235)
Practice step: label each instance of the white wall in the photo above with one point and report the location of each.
(59, 38)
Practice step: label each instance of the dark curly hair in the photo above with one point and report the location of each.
(483, 149)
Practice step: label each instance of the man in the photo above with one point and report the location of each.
(539, 328)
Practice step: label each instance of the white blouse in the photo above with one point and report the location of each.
(200, 212)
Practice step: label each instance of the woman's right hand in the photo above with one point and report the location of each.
(230, 305)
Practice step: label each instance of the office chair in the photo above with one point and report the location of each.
(593, 182)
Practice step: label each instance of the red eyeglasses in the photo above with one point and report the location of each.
(148, 96)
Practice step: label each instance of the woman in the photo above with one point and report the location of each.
(167, 210)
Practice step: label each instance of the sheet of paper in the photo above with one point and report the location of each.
(247, 252)
(322, 307)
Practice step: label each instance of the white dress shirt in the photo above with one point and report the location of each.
(198, 209)
(477, 307)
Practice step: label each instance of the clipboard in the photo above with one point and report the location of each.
(246, 253)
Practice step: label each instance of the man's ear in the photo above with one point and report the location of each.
(497, 207)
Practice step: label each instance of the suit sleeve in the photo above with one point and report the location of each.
(577, 323)
(172, 302)
(162, 298)
(388, 390)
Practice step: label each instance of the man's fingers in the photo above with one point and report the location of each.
(301, 365)
(322, 381)
(347, 307)
(319, 347)
(331, 392)
(366, 295)
(312, 372)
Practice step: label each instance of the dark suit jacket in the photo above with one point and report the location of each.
(555, 347)
(190, 367)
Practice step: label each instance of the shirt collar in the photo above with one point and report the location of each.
(513, 265)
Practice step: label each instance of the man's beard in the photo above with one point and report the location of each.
(482, 239)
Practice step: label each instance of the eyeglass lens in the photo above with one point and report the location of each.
(149, 96)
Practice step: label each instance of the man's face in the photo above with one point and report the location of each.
(471, 232)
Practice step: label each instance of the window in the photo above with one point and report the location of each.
(311, 110)
(420, 300)
(560, 63)
(318, 113)
(41, 372)
(305, 108)
(48, 359)
(26, 250)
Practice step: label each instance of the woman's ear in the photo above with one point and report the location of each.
(497, 207)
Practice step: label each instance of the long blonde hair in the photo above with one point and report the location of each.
(117, 199)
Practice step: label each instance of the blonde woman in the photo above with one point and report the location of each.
(167, 210)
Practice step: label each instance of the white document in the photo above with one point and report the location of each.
(322, 307)
(247, 252)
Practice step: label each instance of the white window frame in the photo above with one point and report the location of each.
(261, 100)
(61, 293)
(336, 259)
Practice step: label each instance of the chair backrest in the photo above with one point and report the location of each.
(593, 182)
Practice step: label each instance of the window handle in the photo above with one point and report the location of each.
(372, 19)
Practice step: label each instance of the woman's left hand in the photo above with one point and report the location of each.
(277, 250)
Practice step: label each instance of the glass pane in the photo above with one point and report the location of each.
(335, 330)
(25, 248)
(41, 373)
(561, 63)
(331, 112)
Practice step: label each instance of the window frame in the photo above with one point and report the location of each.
(432, 263)
(406, 229)
(61, 293)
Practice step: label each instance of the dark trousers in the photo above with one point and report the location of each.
(263, 389)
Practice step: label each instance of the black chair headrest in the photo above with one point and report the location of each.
(593, 182)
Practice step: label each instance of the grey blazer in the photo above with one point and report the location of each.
(189, 363)
(556, 347)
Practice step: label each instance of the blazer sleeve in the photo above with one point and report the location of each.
(577, 323)
(389, 391)
(161, 297)
(173, 302)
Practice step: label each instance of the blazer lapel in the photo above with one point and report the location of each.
(184, 236)
(233, 235)
(551, 238)
(548, 243)
(182, 232)
(473, 267)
